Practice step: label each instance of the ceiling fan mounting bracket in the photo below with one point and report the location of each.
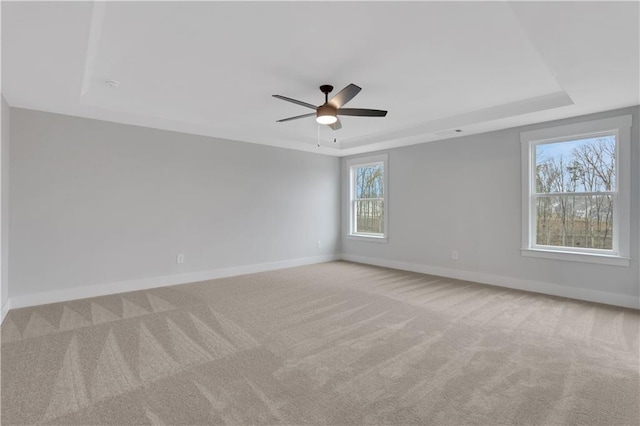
(326, 88)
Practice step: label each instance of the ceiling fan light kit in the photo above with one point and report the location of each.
(328, 112)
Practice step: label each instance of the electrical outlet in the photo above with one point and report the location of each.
(180, 258)
(319, 244)
(454, 255)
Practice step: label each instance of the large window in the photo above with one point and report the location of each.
(368, 191)
(576, 192)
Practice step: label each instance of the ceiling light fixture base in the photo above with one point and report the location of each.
(326, 114)
(326, 88)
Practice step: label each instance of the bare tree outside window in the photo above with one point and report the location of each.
(575, 186)
(369, 199)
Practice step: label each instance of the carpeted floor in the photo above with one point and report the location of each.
(336, 343)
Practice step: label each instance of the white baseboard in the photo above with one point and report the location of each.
(508, 282)
(74, 293)
(4, 310)
(147, 283)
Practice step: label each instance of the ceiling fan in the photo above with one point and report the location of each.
(328, 112)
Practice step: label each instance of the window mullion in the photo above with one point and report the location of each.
(563, 194)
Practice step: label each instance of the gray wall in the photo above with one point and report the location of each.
(465, 194)
(4, 204)
(94, 202)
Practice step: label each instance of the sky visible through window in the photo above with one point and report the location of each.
(577, 159)
(564, 149)
(369, 181)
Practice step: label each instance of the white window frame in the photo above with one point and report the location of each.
(352, 164)
(620, 127)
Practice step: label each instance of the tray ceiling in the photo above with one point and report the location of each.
(210, 68)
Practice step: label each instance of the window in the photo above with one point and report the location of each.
(576, 195)
(368, 191)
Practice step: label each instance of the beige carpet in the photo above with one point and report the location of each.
(337, 343)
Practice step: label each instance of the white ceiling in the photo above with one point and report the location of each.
(210, 68)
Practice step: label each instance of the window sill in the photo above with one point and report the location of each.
(369, 238)
(602, 259)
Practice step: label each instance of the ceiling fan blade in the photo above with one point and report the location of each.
(296, 117)
(360, 112)
(336, 126)
(345, 95)
(295, 101)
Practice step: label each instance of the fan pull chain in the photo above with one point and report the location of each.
(318, 135)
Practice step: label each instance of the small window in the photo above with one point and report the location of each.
(368, 191)
(576, 192)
